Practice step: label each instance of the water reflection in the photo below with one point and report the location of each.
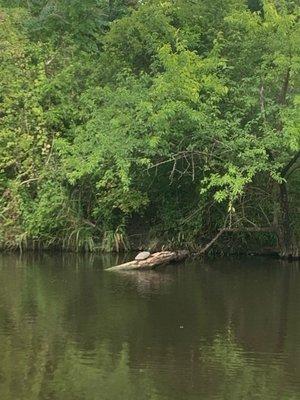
(69, 330)
(148, 282)
(239, 375)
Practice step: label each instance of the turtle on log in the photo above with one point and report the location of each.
(145, 260)
(143, 255)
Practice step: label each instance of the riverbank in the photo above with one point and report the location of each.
(130, 253)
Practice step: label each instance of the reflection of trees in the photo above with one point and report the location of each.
(260, 301)
(148, 282)
(241, 377)
(51, 318)
(106, 379)
(70, 332)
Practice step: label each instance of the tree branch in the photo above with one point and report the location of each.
(251, 229)
(205, 248)
(286, 169)
(285, 86)
(224, 230)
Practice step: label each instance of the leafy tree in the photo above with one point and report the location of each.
(183, 113)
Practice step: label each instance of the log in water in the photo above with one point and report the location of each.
(153, 261)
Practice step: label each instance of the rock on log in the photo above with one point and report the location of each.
(155, 259)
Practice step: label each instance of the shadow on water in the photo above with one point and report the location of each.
(225, 329)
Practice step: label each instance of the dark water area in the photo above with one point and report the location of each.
(225, 329)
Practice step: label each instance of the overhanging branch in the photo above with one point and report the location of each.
(286, 169)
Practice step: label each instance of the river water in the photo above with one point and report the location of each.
(226, 329)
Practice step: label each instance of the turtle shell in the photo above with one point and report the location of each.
(142, 256)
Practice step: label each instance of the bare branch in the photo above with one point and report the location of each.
(251, 229)
(285, 87)
(286, 169)
(205, 248)
(28, 181)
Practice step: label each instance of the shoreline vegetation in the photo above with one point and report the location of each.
(132, 125)
(191, 253)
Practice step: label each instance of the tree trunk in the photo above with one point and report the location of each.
(287, 242)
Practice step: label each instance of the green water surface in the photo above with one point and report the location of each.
(226, 329)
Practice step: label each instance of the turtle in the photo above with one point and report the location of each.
(143, 255)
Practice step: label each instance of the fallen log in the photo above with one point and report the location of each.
(153, 261)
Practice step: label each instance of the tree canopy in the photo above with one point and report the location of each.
(177, 121)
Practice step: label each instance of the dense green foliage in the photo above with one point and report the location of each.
(170, 119)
